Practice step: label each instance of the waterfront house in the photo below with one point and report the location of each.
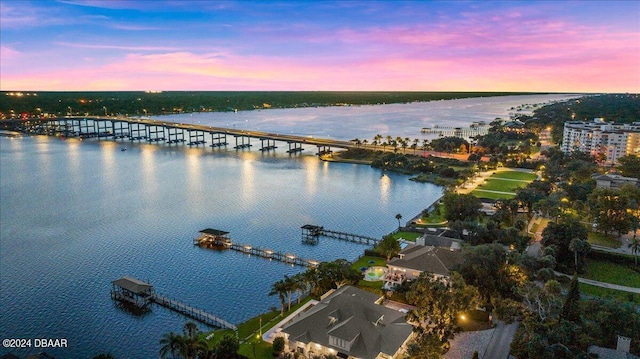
(349, 323)
(415, 259)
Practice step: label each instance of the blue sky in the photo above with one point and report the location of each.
(555, 46)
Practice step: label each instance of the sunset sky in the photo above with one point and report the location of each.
(537, 46)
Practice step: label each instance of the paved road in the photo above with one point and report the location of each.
(500, 342)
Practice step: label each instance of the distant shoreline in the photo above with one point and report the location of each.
(140, 103)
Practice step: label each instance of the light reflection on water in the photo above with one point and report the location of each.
(76, 215)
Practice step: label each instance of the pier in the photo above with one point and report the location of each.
(217, 239)
(311, 235)
(165, 132)
(473, 130)
(141, 294)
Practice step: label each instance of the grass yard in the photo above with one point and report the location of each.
(612, 273)
(491, 195)
(364, 262)
(435, 218)
(408, 236)
(502, 185)
(249, 331)
(592, 290)
(503, 181)
(515, 175)
(601, 240)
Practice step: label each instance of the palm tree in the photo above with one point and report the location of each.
(289, 283)
(398, 217)
(280, 289)
(376, 140)
(425, 146)
(311, 279)
(579, 246)
(192, 346)
(172, 343)
(300, 285)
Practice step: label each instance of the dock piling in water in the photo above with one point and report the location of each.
(141, 294)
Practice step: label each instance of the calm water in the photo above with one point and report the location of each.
(76, 215)
(364, 122)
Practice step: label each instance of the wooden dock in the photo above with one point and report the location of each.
(217, 239)
(141, 294)
(311, 235)
(194, 313)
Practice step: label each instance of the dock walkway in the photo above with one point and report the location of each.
(311, 234)
(197, 314)
(218, 239)
(141, 294)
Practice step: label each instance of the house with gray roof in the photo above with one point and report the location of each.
(349, 323)
(614, 181)
(416, 259)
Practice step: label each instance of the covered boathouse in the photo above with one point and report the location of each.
(132, 290)
(210, 237)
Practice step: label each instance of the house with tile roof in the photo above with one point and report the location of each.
(349, 323)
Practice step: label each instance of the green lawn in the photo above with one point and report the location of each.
(408, 236)
(491, 195)
(364, 262)
(250, 330)
(516, 175)
(601, 240)
(434, 218)
(497, 184)
(612, 273)
(592, 290)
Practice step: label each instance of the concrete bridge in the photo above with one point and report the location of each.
(154, 131)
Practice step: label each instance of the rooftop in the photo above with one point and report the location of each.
(430, 259)
(352, 315)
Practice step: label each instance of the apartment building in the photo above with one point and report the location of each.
(602, 138)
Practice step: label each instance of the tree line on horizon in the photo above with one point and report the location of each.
(139, 103)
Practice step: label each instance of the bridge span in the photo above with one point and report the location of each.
(154, 131)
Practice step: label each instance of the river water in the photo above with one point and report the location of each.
(76, 215)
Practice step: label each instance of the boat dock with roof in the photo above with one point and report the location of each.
(218, 239)
(141, 294)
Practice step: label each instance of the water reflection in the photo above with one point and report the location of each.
(311, 170)
(247, 174)
(148, 164)
(108, 150)
(385, 186)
